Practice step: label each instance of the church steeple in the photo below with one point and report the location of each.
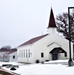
(51, 20)
(52, 25)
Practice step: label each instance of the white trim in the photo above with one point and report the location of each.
(53, 43)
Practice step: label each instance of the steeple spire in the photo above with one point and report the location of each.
(52, 23)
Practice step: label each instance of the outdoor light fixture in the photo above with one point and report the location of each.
(70, 62)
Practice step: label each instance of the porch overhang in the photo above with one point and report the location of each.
(57, 50)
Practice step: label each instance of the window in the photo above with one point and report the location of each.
(13, 56)
(66, 54)
(24, 53)
(29, 53)
(42, 55)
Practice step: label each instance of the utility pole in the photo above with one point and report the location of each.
(70, 62)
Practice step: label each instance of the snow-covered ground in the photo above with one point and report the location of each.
(58, 67)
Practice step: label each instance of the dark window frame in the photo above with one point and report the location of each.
(13, 56)
(66, 54)
(42, 54)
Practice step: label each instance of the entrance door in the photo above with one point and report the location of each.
(54, 56)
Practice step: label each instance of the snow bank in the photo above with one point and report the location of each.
(45, 69)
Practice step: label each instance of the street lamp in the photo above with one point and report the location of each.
(70, 62)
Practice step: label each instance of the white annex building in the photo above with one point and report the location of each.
(50, 46)
(8, 55)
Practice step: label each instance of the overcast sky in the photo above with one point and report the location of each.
(21, 20)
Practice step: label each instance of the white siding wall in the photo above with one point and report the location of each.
(43, 46)
(11, 59)
(25, 54)
(61, 56)
(6, 57)
(64, 44)
(1, 53)
(52, 31)
(1, 56)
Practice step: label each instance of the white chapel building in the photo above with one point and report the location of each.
(50, 46)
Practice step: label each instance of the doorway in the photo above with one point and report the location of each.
(56, 52)
(54, 56)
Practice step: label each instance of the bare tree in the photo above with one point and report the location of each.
(62, 22)
(6, 47)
